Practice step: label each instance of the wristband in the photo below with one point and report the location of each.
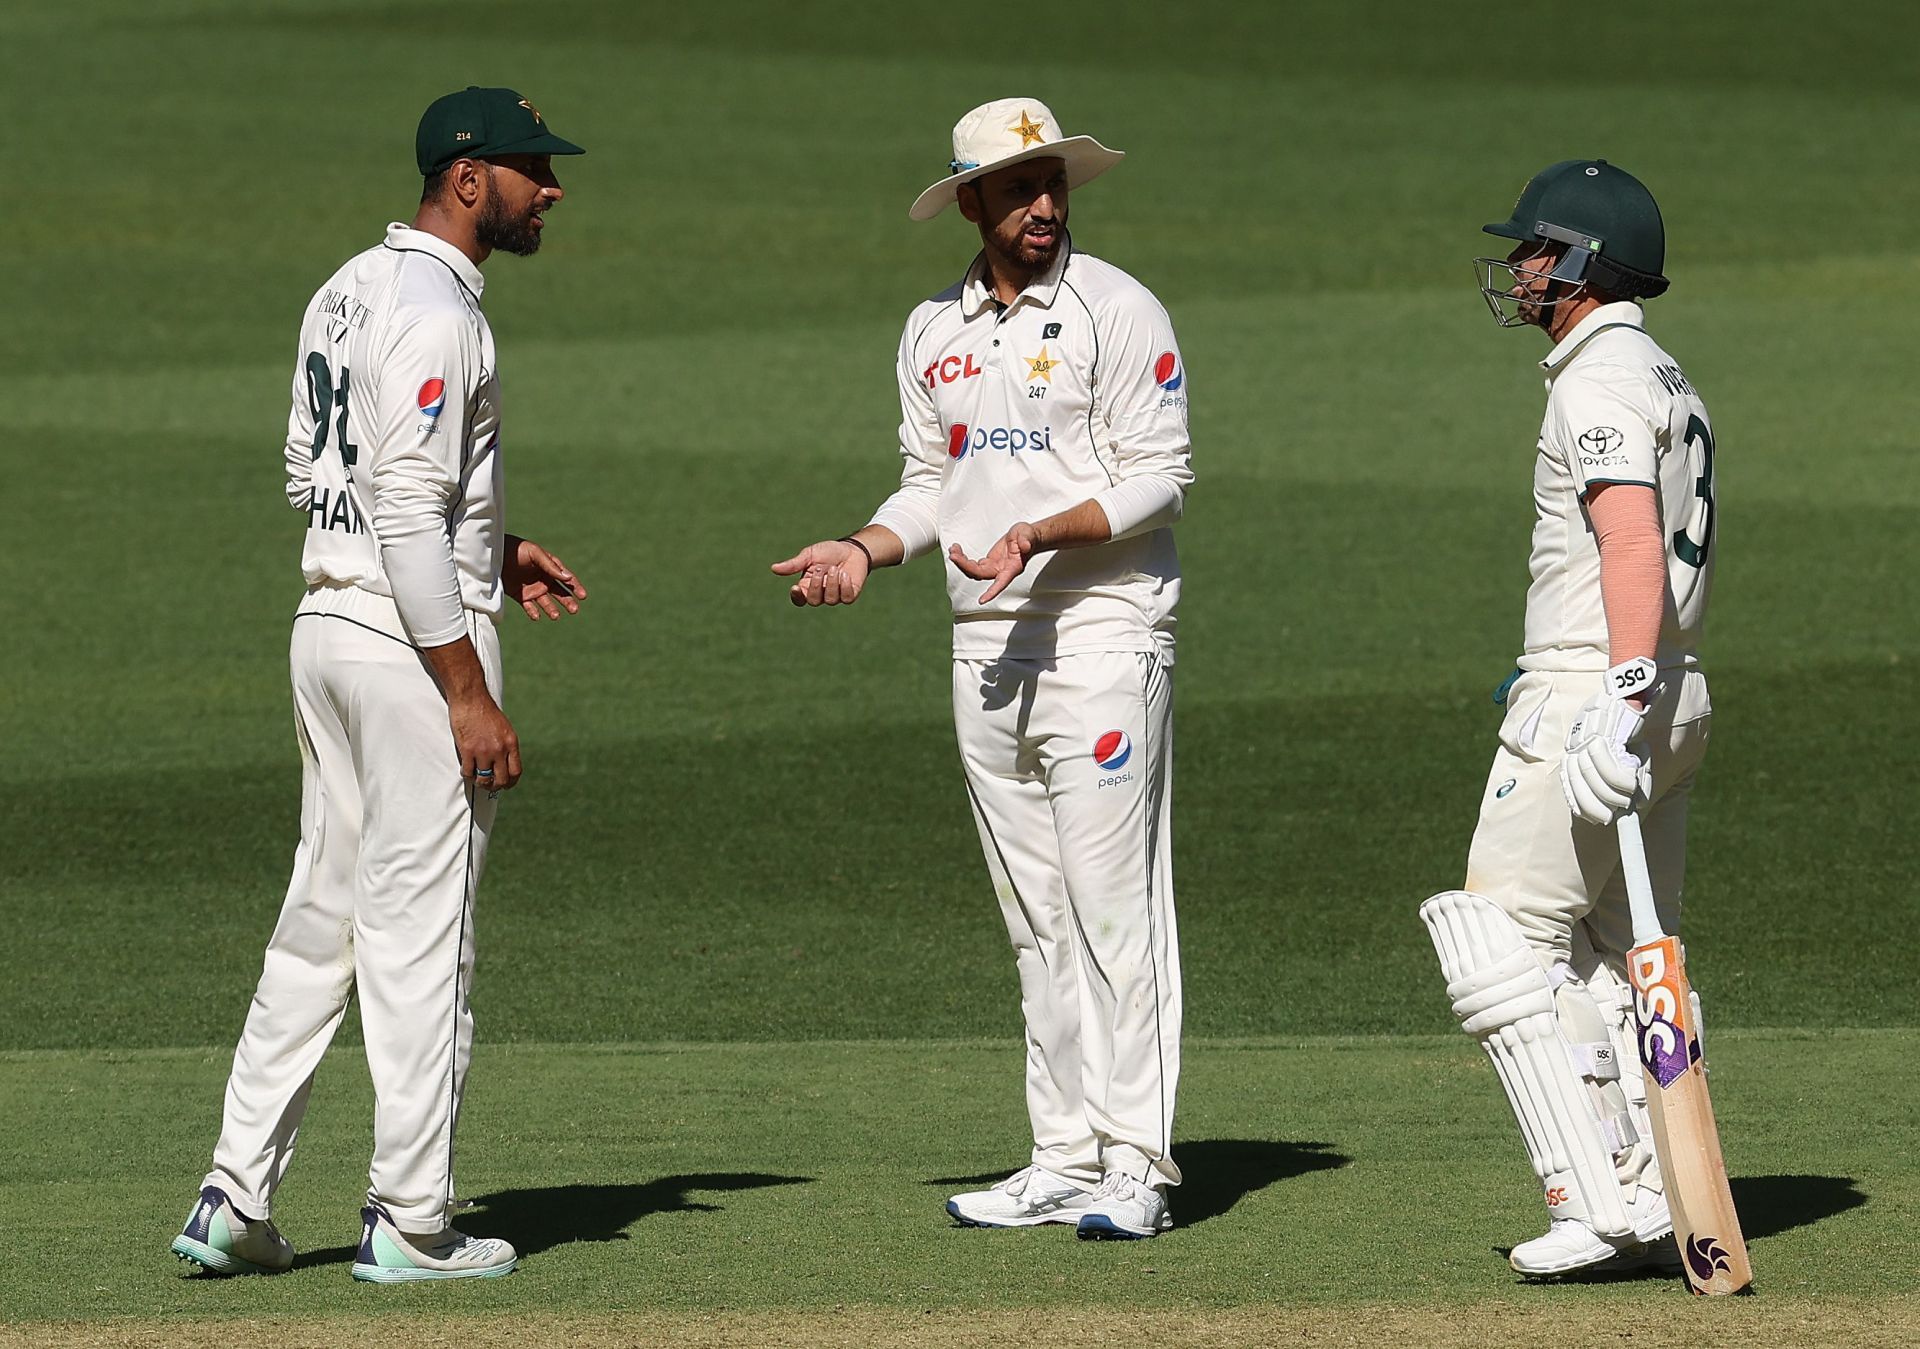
(848, 538)
(1633, 678)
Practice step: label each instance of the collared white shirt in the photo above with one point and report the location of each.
(393, 443)
(1619, 410)
(1075, 391)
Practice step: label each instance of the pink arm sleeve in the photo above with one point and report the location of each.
(1633, 567)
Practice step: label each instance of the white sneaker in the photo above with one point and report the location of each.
(1027, 1198)
(1570, 1244)
(1125, 1209)
(218, 1238)
(388, 1255)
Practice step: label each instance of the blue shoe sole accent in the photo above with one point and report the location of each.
(954, 1212)
(220, 1262)
(388, 1274)
(1096, 1227)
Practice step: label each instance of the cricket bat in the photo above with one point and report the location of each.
(1685, 1137)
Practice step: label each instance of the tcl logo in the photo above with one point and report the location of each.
(1556, 1196)
(952, 368)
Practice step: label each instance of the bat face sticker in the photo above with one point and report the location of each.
(1705, 1257)
(1665, 1041)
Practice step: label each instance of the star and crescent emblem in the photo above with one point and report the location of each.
(1040, 367)
(1029, 131)
(530, 108)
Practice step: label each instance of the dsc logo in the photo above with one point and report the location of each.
(1556, 1196)
(1654, 971)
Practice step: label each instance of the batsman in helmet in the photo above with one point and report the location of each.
(1606, 713)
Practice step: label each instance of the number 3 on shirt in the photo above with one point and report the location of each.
(1684, 548)
(323, 398)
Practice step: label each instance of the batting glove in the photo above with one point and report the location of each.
(1602, 774)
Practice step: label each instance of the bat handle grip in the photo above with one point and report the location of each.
(1633, 865)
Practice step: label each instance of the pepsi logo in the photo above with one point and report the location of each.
(957, 441)
(433, 397)
(1167, 373)
(1112, 750)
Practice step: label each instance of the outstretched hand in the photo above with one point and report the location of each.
(535, 579)
(831, 572)
(1004, 561)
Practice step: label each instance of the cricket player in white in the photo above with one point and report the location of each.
(1607, 713)
(1044, 438)
(394, 456)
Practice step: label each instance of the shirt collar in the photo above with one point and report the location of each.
(1606, 316)
(408, 239)
(977, 295)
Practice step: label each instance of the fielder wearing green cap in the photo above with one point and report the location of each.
(486, 155)
(393, 459)
(1606, 714)
(481, 123)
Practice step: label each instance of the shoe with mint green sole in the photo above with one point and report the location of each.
(388, 1255)
(219, 1239)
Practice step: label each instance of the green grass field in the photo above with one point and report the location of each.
(745, 1005)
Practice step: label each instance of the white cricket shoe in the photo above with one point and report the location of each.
(1125, 1209)
(218, 1238)
(1569, 1244)
(1027, 1198)
(388, 1255)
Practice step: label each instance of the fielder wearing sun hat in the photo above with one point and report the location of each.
(1012, 131)
(476, 123)
(1043, 457)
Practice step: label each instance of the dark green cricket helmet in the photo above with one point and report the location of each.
(1606, 217)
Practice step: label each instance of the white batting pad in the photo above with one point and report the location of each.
(1503, 998)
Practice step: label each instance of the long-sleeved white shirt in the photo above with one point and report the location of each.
(393, 444)
(1075, 391)
(1619, 410)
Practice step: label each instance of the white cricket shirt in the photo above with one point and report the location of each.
(393, 444)
(1074, 391)
(1619, 410)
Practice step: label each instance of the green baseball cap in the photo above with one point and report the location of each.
(477, 123)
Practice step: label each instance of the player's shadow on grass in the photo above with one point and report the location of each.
(537, 1220)
(1216, 1173)
(1771, 1204)
(1767, 1205)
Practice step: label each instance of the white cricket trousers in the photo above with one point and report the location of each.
(1559, 877)
(392, 843)
(1069, 762)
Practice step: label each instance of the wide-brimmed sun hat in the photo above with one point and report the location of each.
(1012, 131)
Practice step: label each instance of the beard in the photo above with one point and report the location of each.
(504, 230)
(1019, 253)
